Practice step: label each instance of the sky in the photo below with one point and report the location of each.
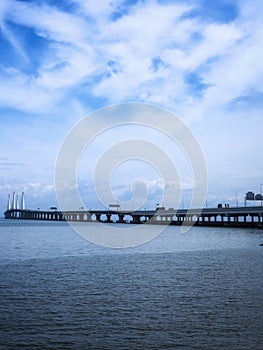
(62, 60)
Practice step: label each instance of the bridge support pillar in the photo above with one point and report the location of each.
(108, 218)
(136, 219)
(98, 217)
(121, 218)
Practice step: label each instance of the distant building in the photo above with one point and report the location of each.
(258, 197)
(250, 196)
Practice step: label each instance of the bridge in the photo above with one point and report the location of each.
(229, 217)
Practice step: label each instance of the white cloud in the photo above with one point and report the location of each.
(20, 92)
(238, 73)
(132, 42)
(98, 9)
(13, 40)
(68, 60)
(3, 9)
(217, 40)
(49, 22)
(67, 68)
(147, 25)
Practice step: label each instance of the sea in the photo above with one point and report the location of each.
(197, 290)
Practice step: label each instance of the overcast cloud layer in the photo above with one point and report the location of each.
(60, 60)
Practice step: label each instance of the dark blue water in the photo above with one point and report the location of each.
(202, 290)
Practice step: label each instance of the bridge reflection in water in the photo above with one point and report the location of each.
(234, 217)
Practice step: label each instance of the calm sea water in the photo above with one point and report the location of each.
(200, 290)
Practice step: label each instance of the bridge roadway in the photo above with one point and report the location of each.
(233, 216)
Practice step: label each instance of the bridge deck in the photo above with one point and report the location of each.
(235, 217)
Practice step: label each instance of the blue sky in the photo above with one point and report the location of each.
(60, 60)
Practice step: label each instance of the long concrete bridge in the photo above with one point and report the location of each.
(233, 217)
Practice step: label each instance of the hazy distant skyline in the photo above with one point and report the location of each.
(61, 60)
